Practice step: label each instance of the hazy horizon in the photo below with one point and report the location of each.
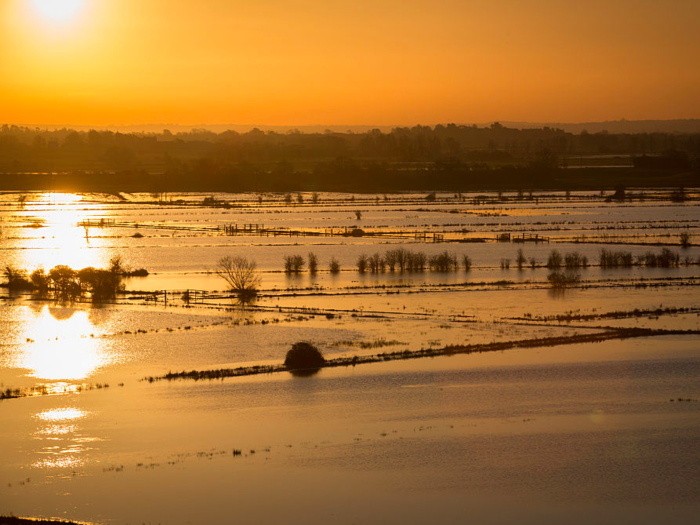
(685, 125)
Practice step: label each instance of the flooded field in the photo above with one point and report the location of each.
(486, 388)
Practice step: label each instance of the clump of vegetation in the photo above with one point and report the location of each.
(533, 263)
(684, 240)
(563, 279)
(241, 276)
(665, 259)
(403, 260)
(520, 259)
(355, 232)
(304, 355)
(505, 264)
(612, 259)
(376, 263)
(554, 260)
(16, 279)
(443, 262)
(293, 263)
(334, 266)
(362, 263)
(313, 263)
(466, 262)
(67, 284)
(575, 260)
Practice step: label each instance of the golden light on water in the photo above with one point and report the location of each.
(61, 414)
(59, 344)
(65, 445)
(60, 240)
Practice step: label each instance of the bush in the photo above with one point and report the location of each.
(466, 262)
(684, 239)
(665, 259)
(575, 260)
(610, 259)
(563, 279)
(304, 355)
(334, 266)
(17, 279)
(362, 263)
(313, 263)
(40, 280)
(293, 263)
(443, 262)
(554, 260)
(520, 259)
(376, 263)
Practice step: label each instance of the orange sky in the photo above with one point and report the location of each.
(298, 62)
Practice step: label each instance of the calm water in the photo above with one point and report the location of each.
(534, 435)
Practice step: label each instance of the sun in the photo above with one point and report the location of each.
(58, 10)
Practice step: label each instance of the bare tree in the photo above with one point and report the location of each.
(240, 274)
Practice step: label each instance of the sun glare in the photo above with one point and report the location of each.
(58, 10)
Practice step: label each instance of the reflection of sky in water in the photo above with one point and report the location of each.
(59, 344)
(63, 443)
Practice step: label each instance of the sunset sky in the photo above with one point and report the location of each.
(383, 62)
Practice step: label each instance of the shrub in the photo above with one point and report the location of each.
(443, 262)
(63, 280)
(575, 260)
(362, 263)
(102, 284)
(505, 264)
(554, 260)
(40, 280)
(665, 259)
(416, 261)
(563, 279)
(376, 263)
(520, 259)
(334, 266)
(684, 239)
(610, 259)
(16, 279)
(304, 355)
(466, 262)
(313, 263)
(293, 263)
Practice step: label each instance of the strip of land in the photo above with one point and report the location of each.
(611, 334)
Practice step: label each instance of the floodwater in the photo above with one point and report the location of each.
(605, 431)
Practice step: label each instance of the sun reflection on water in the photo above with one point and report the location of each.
(65, 446)
(60, 344)
(59, 240)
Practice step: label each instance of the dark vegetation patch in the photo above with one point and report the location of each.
(14, 520)
(653, 312)
(304, 355)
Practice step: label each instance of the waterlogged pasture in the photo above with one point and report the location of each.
(525, 432)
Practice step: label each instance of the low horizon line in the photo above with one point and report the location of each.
(165, 125)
